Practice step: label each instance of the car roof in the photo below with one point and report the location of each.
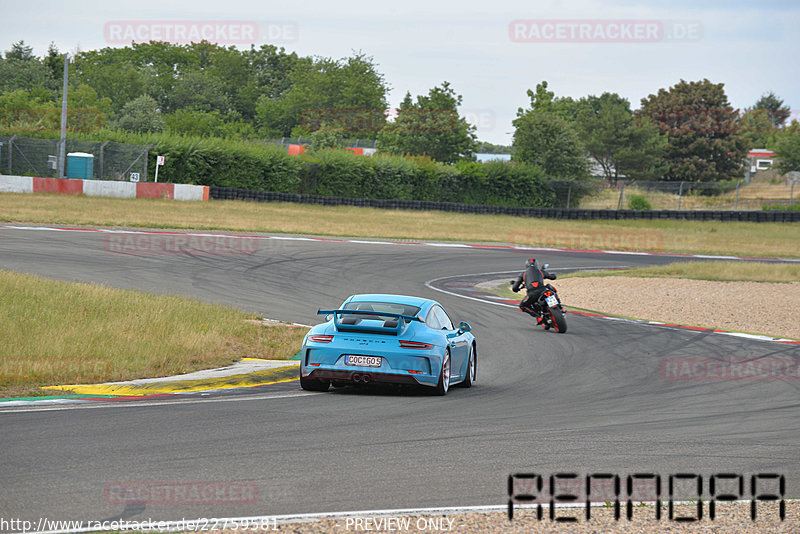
(393, 299)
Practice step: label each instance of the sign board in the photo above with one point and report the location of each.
(160, 160)
(134, 177)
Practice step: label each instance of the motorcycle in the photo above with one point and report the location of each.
(549, 309)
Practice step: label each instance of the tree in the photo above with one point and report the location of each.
(757, 128)
(232, 69)
(21, 70)
(484, 147)
(431, 127)
(349, 93)
(272, 69)
(549, 141)
(545, 135)
(704, 143)
(87, 112)
(141, 115)
(112, 73)
(208, 124)
(327, 137)
(198, 90)
(776, 111)
(622, 145)
(54, 61)
(544, 100)
(30, 110)
(20, 52)
(787, 149)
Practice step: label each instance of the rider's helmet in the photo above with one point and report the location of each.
(530, 261)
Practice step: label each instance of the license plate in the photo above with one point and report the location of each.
(552, 301)
(362, 361)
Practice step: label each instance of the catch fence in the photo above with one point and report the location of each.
(24, 156)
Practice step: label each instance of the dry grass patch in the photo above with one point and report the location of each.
(730, 238)
(609, 198)
(729, 271)
(65, 333)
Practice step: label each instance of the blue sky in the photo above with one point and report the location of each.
(752, 47)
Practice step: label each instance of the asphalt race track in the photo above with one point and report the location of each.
(592, 400)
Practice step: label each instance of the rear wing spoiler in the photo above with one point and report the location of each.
(392, 329)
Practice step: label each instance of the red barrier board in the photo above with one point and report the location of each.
(57, 185)
(154, 190)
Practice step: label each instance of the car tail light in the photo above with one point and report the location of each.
(320, 338)
(415, 372)
(415, 345)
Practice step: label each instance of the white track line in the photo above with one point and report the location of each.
(81, 404)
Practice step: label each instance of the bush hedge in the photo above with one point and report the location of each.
(261, 166)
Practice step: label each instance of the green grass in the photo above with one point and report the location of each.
(691, 237)
(65, 333)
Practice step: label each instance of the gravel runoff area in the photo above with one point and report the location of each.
(730, 518)
(754, 307)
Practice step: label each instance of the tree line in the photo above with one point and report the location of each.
(687, 132)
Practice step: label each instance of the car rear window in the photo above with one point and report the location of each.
(387, 307)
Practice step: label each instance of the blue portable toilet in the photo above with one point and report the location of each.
(80, 165)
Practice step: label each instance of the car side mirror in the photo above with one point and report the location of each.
(464, 327)
(546, 266)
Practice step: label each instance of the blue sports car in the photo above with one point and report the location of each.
(390, 339)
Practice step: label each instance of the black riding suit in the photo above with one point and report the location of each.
(533, 278)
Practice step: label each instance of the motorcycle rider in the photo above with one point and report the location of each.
(533, 277)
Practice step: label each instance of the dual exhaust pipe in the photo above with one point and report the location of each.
(363, 379)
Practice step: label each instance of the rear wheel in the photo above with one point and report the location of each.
(311, 384)
(558, 320)
(472, 368)
(444, 377)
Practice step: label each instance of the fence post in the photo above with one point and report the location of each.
(569, 194)
(10, 152)
(146, 151)
(736, 201)
(680, 195)
(102, 167)
(621, 191)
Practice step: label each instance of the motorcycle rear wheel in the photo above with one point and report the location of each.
(558, 320)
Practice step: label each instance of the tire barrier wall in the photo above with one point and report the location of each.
(100, 188)
(229, 193)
